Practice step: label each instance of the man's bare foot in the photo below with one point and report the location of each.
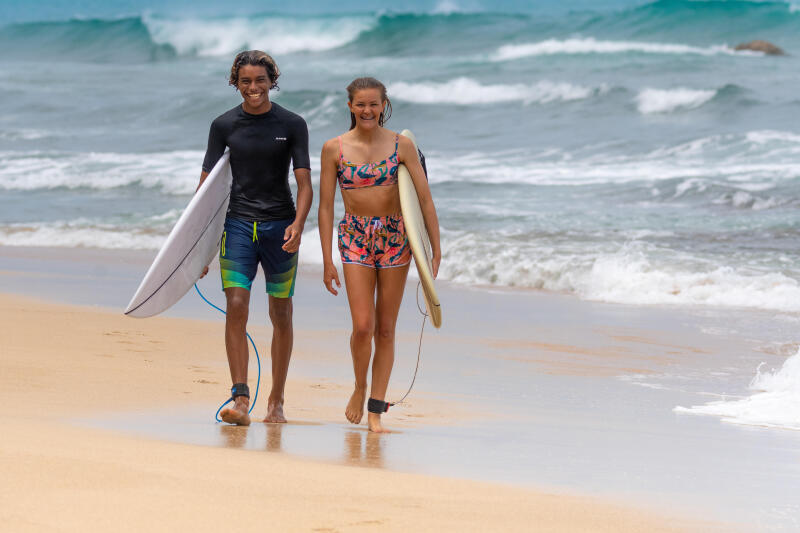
(355, 407)
(374, 422)
(238, 413)
(275, 412)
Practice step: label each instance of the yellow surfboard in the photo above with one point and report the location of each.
(418, 238)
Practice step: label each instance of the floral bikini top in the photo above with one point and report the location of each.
(354, 176)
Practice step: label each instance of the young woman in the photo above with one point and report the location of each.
(372, 238)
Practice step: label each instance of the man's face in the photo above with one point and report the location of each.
(254, 85)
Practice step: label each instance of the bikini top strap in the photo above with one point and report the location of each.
(396, 141)
(341, 153)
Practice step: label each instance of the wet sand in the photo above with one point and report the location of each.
(561, 410)
(65, 364)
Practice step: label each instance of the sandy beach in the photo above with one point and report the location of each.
(65, 369)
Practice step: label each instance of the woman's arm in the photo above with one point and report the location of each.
(408, 155)
(327, 193)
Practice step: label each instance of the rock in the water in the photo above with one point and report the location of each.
(761, 46)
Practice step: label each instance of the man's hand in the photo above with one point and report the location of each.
(292, 236)
(205, 271)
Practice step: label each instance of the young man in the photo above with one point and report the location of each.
(262, 224)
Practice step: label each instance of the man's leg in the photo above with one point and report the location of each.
(280, 270)
(238, 307)
(238, 264)
(280, 314)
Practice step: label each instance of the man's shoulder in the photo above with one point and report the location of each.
(288, 116)
(228, 117)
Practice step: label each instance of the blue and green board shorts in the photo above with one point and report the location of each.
(245, 244)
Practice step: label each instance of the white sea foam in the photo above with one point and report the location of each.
(763, 137)
(698, 175)
(735, 161)
(77, 235)
(650, 101)
(321, 114)
(24, 135)
(446, 7)
(465, 91)
(628, 275)
(173, 172)
(776, 402)
(278, 34)
(746, 200)
(593, 46)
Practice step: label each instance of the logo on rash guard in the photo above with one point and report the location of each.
(280, 138)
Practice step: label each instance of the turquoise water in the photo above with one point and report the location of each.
(620, 151)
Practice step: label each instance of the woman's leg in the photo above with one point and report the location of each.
(391, 284)
(360, 284)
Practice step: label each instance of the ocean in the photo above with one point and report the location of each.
(619, 151)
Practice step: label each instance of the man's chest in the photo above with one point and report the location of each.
(259, 142)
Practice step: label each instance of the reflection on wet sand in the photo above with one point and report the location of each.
(236, 436)
(274, 434)
(250, 436)
(357, 452)
(233, 436)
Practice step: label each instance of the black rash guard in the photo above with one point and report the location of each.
(261, 147)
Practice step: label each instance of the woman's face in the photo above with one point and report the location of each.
(253, 85)
(367, 107)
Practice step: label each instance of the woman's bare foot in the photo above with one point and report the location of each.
(374, 422)
(275, 412)
(355, 407)
(238, 413)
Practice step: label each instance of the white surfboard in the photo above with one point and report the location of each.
(418, 238)
(190, 247)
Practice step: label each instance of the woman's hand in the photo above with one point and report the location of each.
(329, 276)
(437, 259)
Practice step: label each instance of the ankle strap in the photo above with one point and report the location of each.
(240, 389)
(377, 406)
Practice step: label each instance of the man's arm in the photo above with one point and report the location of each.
(302, 173)
(203, 176)
(305, 195)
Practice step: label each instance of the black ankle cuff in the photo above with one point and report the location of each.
(377, 406)
(240, 389)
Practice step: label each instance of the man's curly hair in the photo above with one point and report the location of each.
(257, 58)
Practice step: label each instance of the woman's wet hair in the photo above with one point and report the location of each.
(256, 58)
(359, 84)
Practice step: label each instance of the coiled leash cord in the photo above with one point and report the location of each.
(258, 360)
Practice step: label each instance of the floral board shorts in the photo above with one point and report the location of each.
(377, 242)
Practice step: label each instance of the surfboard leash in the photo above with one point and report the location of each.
(258, 360)
(419, 352)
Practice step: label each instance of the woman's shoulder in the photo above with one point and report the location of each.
(404, 143)
(331, 146)
(333, 141)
